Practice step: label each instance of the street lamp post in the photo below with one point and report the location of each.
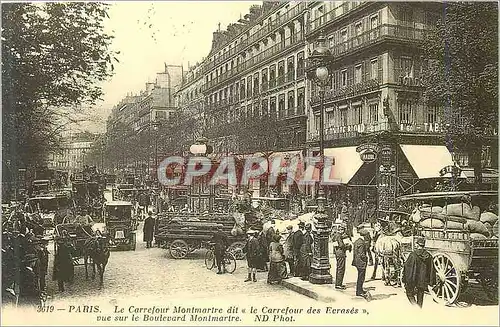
(156, 126)
(317, 71)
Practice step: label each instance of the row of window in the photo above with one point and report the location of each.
(280, 106)
(267, 78)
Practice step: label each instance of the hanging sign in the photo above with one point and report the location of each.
(368, 156)
(451, 169)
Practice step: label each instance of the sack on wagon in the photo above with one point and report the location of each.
(476, 227)
(477, 236)
(488, 217)
(454, 225)
(462, 210)
(435, 209)
(432, 223)
(495, 228)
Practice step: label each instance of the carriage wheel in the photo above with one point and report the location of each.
(236, 248)
(448, 279)
(179, 249)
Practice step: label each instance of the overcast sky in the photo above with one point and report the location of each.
(149, 34)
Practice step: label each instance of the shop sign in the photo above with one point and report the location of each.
(368, 147)
(453, 170)
(368, 156)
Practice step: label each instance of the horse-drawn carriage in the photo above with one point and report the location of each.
(183, 233)
(456, 226)
(83, 246)
(120, 224)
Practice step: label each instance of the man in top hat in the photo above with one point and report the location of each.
(360, 259)
(298, 239)
(340, 248)
(417, 274)
(288, 248)
(306, 253)
(148, 230)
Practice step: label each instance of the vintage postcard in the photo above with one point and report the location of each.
(208, 163)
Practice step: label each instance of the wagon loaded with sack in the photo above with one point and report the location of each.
(461, 232)
(183, 233)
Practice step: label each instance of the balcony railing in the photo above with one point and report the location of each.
(276, 49)
(385, 31)
(348, 91)
(329, 16)
(274, 25)
(347, 131)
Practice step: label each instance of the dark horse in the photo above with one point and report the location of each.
(97, 250)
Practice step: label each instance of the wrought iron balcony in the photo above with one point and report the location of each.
(374, 35)
(348, 91)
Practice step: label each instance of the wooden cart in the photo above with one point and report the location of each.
(183, 233)
(457, 258)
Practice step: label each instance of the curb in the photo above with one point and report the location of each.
(323, 292)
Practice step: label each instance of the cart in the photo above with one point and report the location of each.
(457, 257)
(183, 233)
(121, 226)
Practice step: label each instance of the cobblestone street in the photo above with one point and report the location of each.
(148, 277)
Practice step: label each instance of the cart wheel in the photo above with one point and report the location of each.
(209, 259)
(448, 279)
(179, 249)
(236, 248)
(230, 262)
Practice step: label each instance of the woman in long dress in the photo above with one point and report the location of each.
(277, 261)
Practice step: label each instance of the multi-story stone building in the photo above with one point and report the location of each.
(375, 98)
(254, 81)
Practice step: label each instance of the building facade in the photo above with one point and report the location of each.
(254, 81)
(71, 157)
(374, 103)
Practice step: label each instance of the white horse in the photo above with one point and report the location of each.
(388, 252)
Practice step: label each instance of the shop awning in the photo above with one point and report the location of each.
(346, 163)
(428, 160)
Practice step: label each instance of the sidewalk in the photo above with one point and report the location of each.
(327, 292)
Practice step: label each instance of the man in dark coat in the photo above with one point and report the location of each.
(298, 239)
(148, 230)
(64, 270)
(252, 251)
(418, 273)
(306, 253)
(360, 260)
(263, 251)
(340, 248)
(221, 244)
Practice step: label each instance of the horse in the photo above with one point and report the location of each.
(388, 252)
(96, 249)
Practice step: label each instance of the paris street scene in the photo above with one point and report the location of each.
(249, 163)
